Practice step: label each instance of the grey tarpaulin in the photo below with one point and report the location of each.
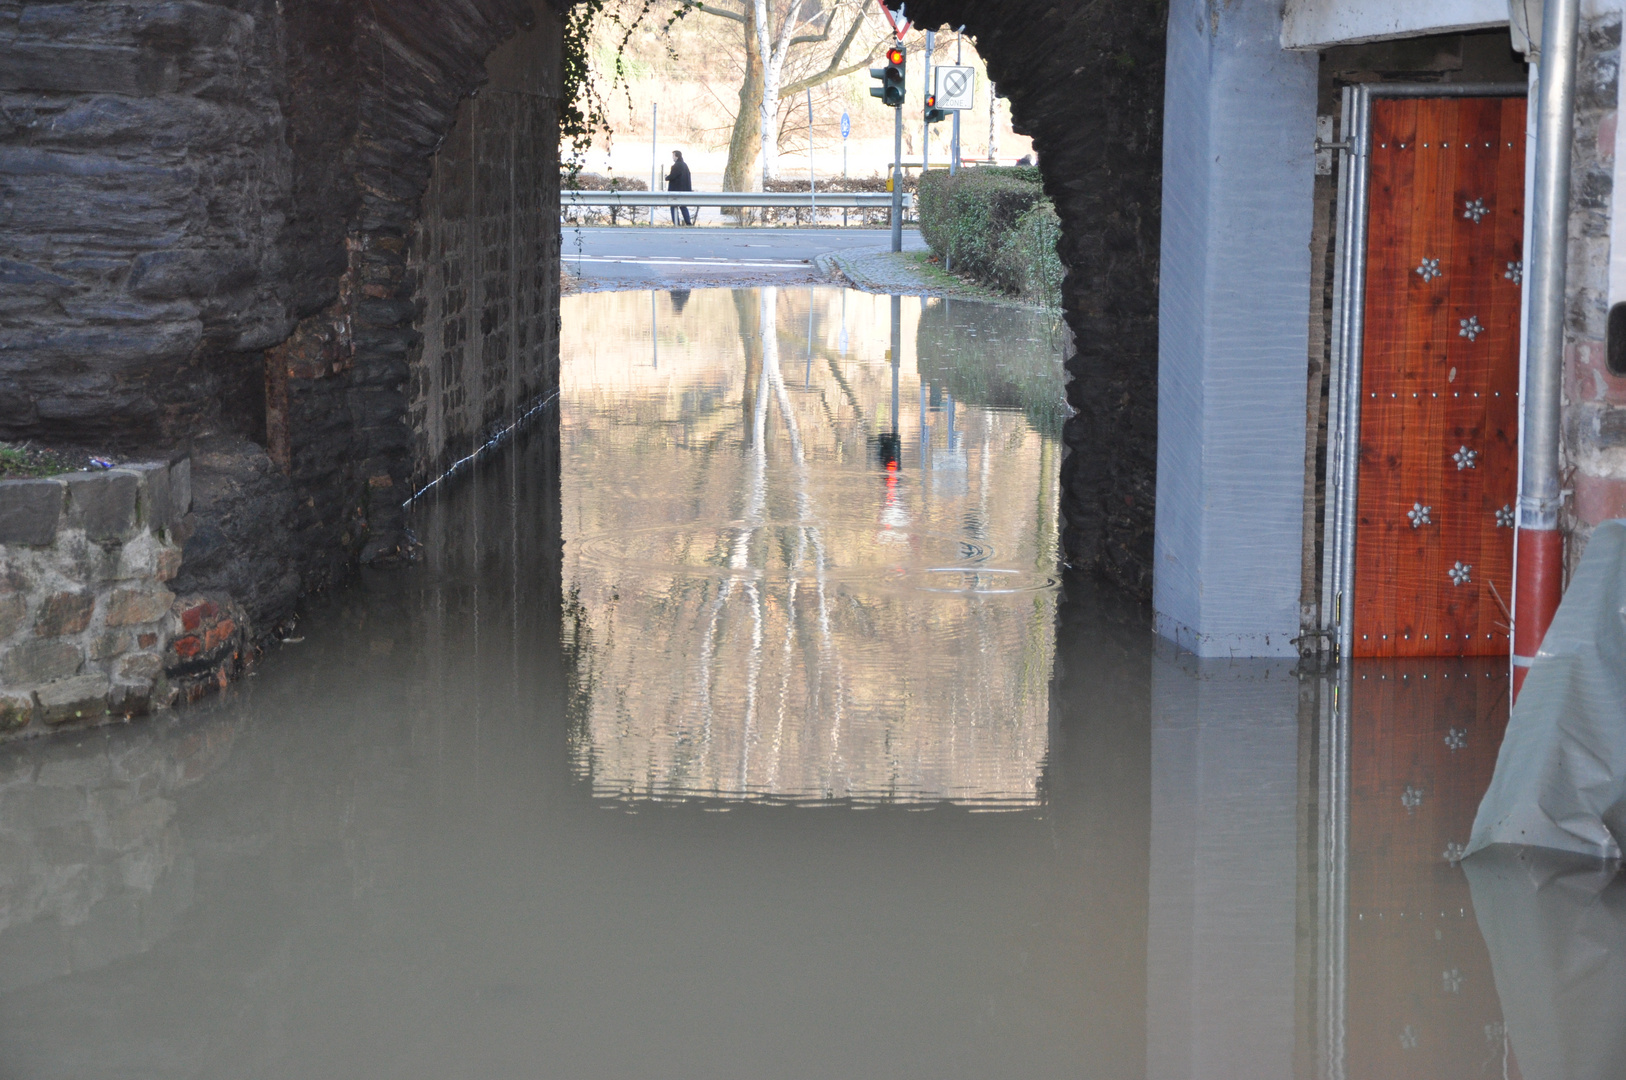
(1560, 778)
(1555, 926)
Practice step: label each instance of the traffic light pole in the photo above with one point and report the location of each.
(954, 140)
(897, 179)
(926, 96)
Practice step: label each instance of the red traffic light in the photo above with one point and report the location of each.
(931, 101)
(894, 56)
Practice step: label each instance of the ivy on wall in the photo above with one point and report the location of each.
(582, 112)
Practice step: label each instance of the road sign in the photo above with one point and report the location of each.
(846, 125)
(954, 86)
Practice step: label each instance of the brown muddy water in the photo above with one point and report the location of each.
(739, 723)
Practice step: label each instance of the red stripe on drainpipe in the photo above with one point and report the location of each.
(1538, 586)
(1539, 565)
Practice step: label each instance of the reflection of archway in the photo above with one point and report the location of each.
(1086, 82)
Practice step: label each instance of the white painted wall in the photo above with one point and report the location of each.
(1316, 24)
(1233, 311)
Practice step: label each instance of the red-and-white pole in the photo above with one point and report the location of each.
(1538, 570)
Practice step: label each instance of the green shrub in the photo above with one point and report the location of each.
(996, 226)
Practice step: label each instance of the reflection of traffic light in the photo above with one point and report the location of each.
(933, 113)
(889, 449)
(891, 89)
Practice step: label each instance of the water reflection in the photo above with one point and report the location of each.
(1556, 926)
(798, 567)
(388, 854)
(1412, 746)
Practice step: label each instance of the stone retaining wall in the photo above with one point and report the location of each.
(482, 256)
(89, 627)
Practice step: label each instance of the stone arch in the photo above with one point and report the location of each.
(208, 218)
(1086, 82)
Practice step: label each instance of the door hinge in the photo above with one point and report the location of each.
(1326, 145)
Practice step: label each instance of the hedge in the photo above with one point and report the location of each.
(996, 226)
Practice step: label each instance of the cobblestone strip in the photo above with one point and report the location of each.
(885, 271)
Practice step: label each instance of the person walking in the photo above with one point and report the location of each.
(678, 180)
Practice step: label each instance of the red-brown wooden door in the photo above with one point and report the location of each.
(1438, 464)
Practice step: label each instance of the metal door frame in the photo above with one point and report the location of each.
(1348, 329)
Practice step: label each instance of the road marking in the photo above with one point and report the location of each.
(697, 262)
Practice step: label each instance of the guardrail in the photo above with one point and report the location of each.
(820, 200)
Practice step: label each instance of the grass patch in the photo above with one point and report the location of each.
(930, 268)
(26, 461)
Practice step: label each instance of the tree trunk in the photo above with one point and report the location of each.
(768, 106)
(743, 143)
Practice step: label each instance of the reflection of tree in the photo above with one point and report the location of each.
(771, 626)
(746, 533)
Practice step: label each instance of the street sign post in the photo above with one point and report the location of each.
(846, 130)
(954, 86)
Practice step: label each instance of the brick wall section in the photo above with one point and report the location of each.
(343, 392)
(482, 256)
(1086, 82)
(1594, 400)
(89, 626)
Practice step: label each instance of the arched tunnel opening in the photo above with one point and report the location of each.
(340, 279)
(552, 713)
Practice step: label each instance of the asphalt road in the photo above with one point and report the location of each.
(663, 256)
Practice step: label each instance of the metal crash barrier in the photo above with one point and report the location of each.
(795, 200)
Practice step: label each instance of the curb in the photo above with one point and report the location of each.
(848, 265)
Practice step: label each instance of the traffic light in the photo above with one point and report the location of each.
(933, 113)
(891, 89)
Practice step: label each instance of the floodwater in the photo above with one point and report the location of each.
(738, 723)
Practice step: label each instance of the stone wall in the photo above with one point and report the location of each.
(143, 175)
(1086, 82)
(483, 256)
(207, 211)
(89, 625)
(1594, 400)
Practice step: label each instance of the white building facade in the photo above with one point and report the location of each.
(1257, 511)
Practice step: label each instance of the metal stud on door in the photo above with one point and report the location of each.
(1437, 449)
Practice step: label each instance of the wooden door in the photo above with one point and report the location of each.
(1438, 463)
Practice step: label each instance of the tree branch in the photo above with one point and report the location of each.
(719, 12)
(827, 75)
(834, 70)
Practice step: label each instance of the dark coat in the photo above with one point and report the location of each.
(678, 178)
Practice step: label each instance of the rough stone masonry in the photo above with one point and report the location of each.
(1086, 82)
(89, 624)
(220, 238)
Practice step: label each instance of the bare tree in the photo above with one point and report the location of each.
(772, 29)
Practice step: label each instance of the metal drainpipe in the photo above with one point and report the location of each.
(1539, 561)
